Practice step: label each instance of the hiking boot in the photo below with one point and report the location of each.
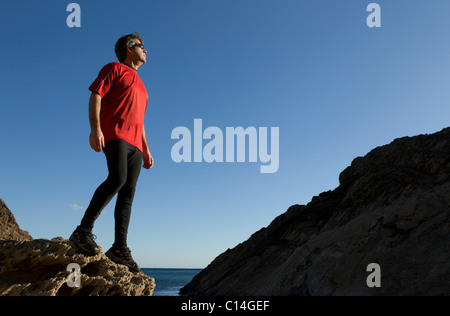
(83, 239)
(123, 256)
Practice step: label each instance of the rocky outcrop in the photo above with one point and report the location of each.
(39, 268)
(392, 208)
(8, 225)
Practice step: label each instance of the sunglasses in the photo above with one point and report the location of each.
(139, 45)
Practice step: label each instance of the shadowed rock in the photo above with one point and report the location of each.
(392, 207)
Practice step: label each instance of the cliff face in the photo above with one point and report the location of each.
(392, 208)
(39, 267)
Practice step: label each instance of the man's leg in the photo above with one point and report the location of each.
(116, 157)
(119, 252)
(122, 213)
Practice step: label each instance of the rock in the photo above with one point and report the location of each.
(39, 268)
(392, 207)
(9, 229)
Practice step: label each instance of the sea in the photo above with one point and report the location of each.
(170, 281)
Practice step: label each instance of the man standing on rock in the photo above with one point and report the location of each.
(116, 113)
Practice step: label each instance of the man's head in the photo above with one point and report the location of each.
(131, 47)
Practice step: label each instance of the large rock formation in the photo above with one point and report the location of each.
(39, 267)
(392, 208)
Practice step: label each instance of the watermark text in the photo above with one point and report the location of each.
(213, 150)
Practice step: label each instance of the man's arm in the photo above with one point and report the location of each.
(96, 138)
(147, 157)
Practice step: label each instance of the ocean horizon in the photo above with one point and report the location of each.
(169, 281)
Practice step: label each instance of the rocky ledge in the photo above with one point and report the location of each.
(39, 267)
(392, 208)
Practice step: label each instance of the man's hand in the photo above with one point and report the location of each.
(148, 159)
(97, 140)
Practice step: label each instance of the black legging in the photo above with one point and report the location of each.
(124, 165)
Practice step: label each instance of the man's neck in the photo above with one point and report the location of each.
(132, 64)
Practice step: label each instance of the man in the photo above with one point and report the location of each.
(116, 114)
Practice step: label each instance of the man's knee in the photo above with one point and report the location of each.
(116, 183)
(128, 190)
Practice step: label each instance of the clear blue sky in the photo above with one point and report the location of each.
(335, 88)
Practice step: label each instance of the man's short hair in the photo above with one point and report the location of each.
(123, 43)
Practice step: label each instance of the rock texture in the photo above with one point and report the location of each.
(392, 208)
(8, 225)
(39, 268)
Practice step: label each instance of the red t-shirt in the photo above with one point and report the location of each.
(124, 102)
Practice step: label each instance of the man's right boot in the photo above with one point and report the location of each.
(83, 239)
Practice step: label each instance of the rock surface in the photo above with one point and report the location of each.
(39, 268)
(392, 208)
(8, 225)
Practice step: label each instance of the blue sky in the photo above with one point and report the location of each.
(335, 88)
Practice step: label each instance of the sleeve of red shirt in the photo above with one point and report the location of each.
(105, 79)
